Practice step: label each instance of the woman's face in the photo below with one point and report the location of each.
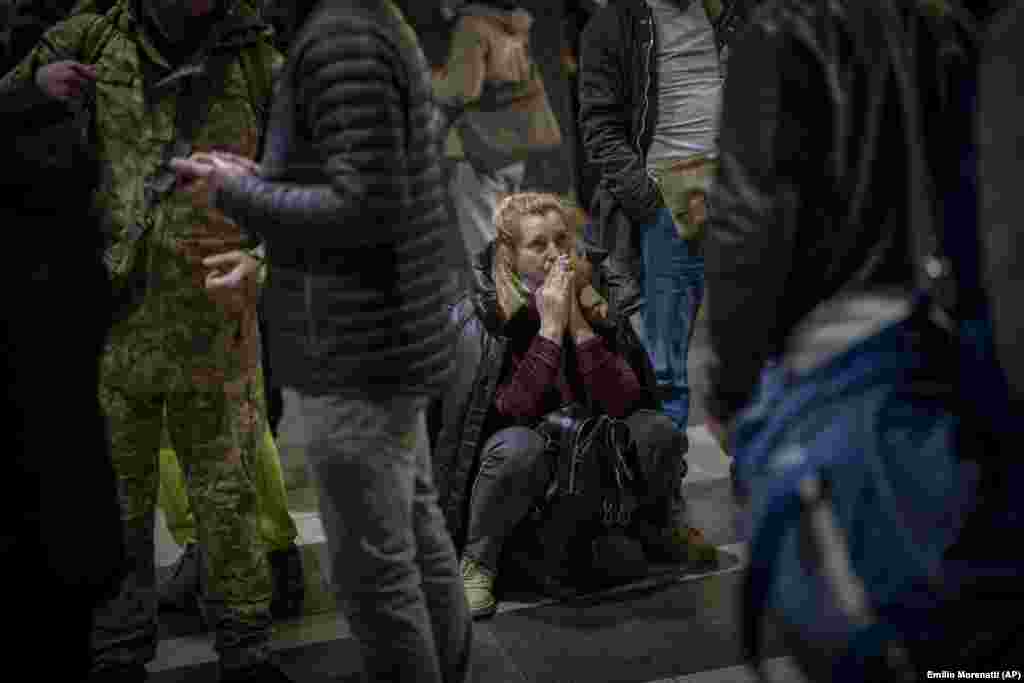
(542, 239)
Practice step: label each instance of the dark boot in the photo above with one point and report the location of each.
(289, 582)
(181, 592)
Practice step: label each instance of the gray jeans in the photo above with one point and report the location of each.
(476, 195)
(392, 560)
(515, 471)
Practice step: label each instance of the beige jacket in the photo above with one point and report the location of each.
(496, 86)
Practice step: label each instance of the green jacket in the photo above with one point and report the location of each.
(180, 337)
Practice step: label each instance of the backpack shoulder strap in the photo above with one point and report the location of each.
(100, 32)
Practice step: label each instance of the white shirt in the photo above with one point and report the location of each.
(689, 82)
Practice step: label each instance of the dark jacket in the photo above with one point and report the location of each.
(352, 208)
(468, 408)
(62, 535)
(812, 196)
(618, 92)
(1002, 202)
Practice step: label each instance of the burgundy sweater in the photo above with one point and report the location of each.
(534, 385)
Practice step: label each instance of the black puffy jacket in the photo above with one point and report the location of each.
(352, 209)
(481, 360)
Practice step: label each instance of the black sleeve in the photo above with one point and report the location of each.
(605, 115)
(999, 148)
(752, 221)
(349, 99)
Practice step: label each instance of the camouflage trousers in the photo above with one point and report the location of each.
(277, 528)
(215, 434)
(684, 185)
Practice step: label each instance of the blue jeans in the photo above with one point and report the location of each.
(392, 560)
(673, 286)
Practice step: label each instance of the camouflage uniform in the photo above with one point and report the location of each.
(277, 527)
(181, 351)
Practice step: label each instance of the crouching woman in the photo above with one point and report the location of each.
(534, 336)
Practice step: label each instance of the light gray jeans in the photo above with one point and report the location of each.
(476, 195)
(392, 560)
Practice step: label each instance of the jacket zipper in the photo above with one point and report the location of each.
(647, 80)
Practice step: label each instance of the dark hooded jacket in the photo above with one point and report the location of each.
(77, 559)
(813, 196)
(482, 360)
(1002, 203)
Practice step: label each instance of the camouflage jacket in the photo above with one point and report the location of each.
(181, 337)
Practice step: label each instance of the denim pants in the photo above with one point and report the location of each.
(673, 287)
(391, 558)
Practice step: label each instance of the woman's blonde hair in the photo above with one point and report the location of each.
(508, 217)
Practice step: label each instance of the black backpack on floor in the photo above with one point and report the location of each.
(575, 538)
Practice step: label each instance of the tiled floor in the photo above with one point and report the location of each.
(319, 647)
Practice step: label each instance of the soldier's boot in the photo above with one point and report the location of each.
(181, 592)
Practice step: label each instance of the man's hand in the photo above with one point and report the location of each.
(230, 270)
(65, 80)
(252, 167)
(232, 281)
(214, 168)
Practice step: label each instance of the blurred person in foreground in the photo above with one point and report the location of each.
(62, 543)
(843, 219)
(349, 200)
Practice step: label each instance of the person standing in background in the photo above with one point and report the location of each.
(650, 92)
(495, 101)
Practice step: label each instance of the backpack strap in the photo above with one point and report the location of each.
(97, 37)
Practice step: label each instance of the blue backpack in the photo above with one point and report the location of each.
(859, 565)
